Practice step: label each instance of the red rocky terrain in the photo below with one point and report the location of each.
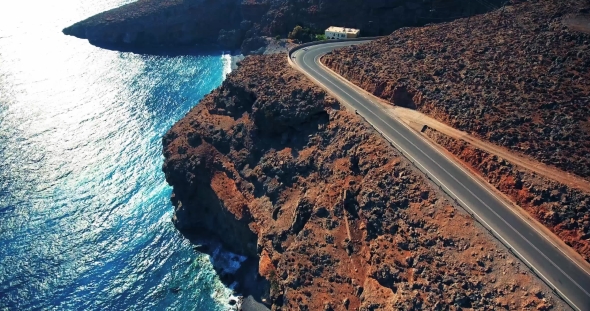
(564, 210)
(517, 77)
(338, 220)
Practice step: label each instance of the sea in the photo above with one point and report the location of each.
(84, 206)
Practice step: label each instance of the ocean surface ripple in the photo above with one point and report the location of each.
(84, 206)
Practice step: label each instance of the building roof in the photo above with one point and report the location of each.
(343, 30)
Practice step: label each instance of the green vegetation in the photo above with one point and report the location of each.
(320, 37)
(306, 34)
(300, 33)
(278, 37)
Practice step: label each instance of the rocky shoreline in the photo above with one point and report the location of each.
(334, 216)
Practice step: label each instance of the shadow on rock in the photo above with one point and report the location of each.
(195, 50)
(237, 272)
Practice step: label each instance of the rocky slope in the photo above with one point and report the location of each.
(373, 17)
(518, 77)
(564, 210)
(338, 220)
(235, 23)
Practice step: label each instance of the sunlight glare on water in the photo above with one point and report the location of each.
(84, 207)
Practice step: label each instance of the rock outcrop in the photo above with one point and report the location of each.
(228, 23)
(338, 220)
(518, 77)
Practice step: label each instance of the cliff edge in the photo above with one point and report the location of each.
(337, 219)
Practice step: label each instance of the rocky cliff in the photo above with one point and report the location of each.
(338, 220)
(518, 77)
(229, 23)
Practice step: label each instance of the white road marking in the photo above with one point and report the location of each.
(456, 197)
(483, 187)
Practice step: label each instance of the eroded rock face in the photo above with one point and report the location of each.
(274, 167)
(518, 77)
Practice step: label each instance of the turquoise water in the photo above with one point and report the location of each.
(84, 207)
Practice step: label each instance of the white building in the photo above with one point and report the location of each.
(341, 33)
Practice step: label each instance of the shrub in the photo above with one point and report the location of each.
(320, 37)
(296, 33)
(302, 34)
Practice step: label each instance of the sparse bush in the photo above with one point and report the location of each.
(302, 34)
(320, 37)
(296, 32)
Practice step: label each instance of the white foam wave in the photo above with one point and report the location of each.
(226, 59)
(226, 262)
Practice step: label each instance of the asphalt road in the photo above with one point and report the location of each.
(558, 270)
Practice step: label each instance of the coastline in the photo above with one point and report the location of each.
(235, 60)
(105, 175)
(237, 273)
(243, 194)
(248, 270)
(335, 216)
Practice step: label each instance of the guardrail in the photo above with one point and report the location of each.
(293, 49)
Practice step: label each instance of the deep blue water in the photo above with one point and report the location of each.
(84, 206)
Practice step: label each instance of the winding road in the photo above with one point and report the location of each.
(561, 272)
